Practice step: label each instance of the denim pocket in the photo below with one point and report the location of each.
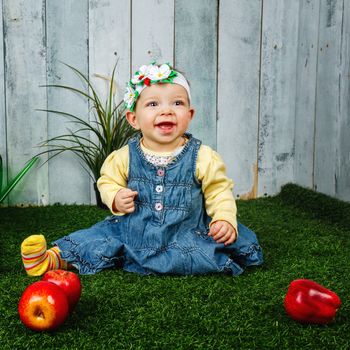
(178, 196)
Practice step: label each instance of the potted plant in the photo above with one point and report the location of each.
(109, 128)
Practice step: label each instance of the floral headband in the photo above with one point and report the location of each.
(149, 75)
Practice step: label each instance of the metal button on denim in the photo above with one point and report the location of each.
(160, 172)
(159, 188)
(158, 206)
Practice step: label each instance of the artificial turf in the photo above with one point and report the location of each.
(303, 235)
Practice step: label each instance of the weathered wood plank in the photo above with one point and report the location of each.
(152, 32)
(300, 129)
(328, 95)
(67, 34)
(196, 55)
(238, 92)
(2, 104)
(109, 42)
(306, 92)
(342, 189)
(277, 102)
(25, 67)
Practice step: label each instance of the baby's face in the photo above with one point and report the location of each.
(163, 115)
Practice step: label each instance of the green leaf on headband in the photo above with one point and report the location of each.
(167, 80)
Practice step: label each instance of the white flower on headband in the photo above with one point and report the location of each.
(130, 96)
(159, 73)
(141, 74)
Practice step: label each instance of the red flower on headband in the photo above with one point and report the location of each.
(147, 81)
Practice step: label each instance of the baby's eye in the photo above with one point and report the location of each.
(152, 104)
(179, 103)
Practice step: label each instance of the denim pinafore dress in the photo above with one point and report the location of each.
(168, 231)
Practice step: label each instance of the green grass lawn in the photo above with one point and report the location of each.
(303, 235)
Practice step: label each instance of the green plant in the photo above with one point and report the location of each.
(4, 192)
(109, 128)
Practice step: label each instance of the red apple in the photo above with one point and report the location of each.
(68, 281)
(43, 306)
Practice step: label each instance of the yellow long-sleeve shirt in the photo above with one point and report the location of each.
(210, 172)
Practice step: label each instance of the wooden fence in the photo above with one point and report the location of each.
(269, 79)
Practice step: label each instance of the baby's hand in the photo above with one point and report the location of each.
(124, 201)
(223, 232)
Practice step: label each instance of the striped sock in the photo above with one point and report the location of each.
(55, 260)
(37, 259)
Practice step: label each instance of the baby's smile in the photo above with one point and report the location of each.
(166, 126)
